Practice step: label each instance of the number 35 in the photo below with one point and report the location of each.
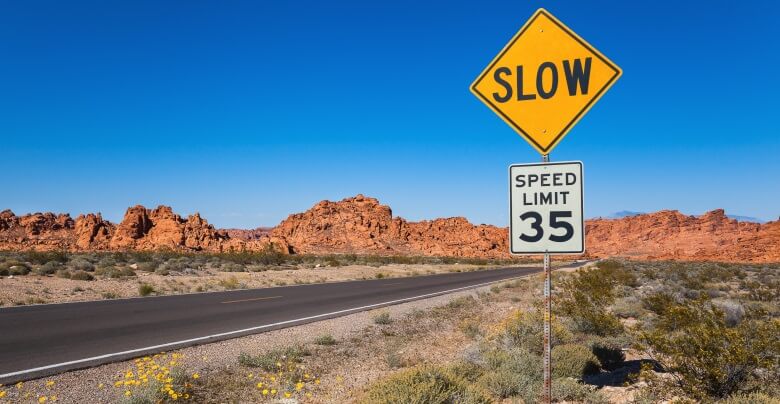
(536, 225)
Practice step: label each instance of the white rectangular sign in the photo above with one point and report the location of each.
(546, 208)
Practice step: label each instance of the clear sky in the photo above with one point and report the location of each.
(247, 111)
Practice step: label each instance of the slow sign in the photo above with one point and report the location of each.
(544, 80)
(546, 208)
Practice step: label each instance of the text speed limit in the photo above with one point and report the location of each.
(545, 208)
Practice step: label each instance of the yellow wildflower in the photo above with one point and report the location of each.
(298, 386)
(49, 383)
(53, 398)
(287, 394)
(273, 391)
(2, 393)
(316, 381)
(100, 386)
(195, 376)
(19, 385)
(265, 392)
(117, 384)
(128, 393)
(259, 385)
(42, 399)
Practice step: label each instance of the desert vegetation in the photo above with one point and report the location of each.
(88, 266)
(31, 277)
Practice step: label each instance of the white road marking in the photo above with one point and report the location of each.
(251, 300)
(260, 327)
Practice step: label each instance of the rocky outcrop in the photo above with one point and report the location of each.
(362, 225)
(669, 234)
(91, 231)
(45, 231)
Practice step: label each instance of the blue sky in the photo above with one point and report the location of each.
(247, 111)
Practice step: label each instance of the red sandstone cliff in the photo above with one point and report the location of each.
(362, 225)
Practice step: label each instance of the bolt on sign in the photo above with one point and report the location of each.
(544, 80)
(546, 208)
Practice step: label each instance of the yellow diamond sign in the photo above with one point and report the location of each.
(544, 80)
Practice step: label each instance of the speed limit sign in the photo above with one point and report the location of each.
(546, 208)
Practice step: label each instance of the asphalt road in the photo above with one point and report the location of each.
(41, 340)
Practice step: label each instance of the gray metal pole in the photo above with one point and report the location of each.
(547, 394)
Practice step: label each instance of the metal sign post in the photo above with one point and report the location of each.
(547, 339)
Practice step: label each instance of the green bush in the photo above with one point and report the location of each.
(383, 318)
(148, 266)
(425, 384)
(608, 351)
(62, 273)
(145, 289)
(712, 360)
(585, 296)
(325, 339)
(81, 276)
(573, 361)
(526, 330)
(752, 398)
(81, 264)
(18, 270)
(48, 268)
(513, 372)
(569, 390)
(269, 361)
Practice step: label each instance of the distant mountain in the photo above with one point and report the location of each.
(746, 219)
(624, 213)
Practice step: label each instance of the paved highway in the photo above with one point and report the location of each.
(41, 340)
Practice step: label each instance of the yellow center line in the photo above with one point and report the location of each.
(251, 300)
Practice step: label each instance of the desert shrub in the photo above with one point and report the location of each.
(114, 272)
(618, 272)
(709, 358)
(4, 271)
(462, 302)
(106, 262)
(752, 398)
(526, 330)
(584, 297)
(147, 266)
(81, 264)
(573, 361)
(569, 390)
(732, 311)
(145, 289)
(81, 276)
(609, 352)
(232, 267)
(62, 273)
(424, 384)
(325, 339)
(470, 327)
(383, 318)
(659, 302)
(230, 283)
(48, 268)
(18, 270)
(270, 361)
(513, 372)
(43, 257)
(628, 307)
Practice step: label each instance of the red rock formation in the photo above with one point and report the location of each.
(669, 234)
(92, 232)
(363, 225)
